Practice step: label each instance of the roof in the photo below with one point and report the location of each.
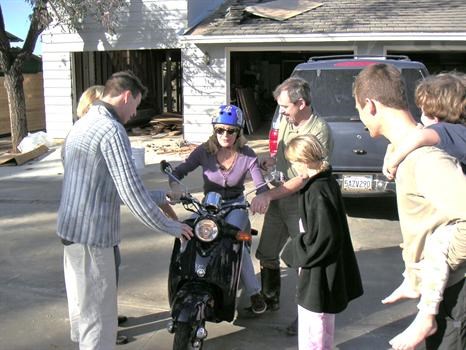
(340, 16)
(13, 38)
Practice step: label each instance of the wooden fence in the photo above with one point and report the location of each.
(35, 110)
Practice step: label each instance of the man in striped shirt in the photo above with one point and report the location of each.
(99, 174)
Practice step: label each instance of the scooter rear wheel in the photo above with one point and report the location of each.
(183, 337)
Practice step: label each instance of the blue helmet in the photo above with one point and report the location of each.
(229, 115)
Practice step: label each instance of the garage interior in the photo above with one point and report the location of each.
(159, 70)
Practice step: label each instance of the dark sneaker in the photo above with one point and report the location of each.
(273, 305)
(292, 328)
(258, 305)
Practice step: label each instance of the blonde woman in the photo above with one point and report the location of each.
(87, 98)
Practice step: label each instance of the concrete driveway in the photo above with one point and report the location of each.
(32, 293)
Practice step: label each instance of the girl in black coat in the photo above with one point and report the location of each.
(328, 271)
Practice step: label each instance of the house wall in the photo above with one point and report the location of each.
(145, 24)
(204, 88)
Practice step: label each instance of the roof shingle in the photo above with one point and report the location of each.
(343, 16)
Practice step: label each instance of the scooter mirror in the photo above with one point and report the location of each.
(167, 169)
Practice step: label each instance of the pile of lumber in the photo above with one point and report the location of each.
(167, 124)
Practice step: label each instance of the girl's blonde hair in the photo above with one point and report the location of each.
(87, 98)
(307, 149)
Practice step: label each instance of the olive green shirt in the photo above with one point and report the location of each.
(315, 125)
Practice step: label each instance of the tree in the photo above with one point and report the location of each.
(68, 13)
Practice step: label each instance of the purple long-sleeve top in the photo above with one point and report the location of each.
(230, 183)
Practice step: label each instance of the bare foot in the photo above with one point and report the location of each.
(422, 327)
(404, 291)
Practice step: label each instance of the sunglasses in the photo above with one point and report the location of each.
(221, 131)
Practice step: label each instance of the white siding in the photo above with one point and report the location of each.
(146, 24)
(204, 89)
(57, 93)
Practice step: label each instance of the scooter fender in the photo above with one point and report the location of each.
(193, 303)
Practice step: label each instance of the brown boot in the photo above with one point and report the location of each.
(270, 279)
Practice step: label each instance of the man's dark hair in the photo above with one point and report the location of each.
(381, 82)
(297, 88)
(123, 81)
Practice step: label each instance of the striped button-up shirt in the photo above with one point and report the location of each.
(99, 171)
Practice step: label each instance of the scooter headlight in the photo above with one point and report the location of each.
(206, 230)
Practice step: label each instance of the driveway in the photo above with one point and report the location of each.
(32, 293)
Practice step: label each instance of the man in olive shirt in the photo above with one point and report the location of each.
(280, 204)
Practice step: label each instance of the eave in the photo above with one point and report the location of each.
(325, 37)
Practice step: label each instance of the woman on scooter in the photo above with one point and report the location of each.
(225, 162)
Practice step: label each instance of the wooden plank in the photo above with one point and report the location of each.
(249, 107)
(281, 10)
(242, 104)
(21, 158)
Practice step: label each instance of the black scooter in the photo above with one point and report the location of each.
(204, 271)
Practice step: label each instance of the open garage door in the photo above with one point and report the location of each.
(159, 70)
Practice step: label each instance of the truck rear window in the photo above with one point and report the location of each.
(331, 91)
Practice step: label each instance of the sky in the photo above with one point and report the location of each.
(16, 16)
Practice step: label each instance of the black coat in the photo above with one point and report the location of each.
(329, 277)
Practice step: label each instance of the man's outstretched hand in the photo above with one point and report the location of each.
(260, 203)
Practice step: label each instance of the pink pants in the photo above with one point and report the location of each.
(315, 330)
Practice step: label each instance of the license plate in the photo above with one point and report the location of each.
(357, 183)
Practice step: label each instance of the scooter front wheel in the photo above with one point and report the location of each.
(184, 336)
